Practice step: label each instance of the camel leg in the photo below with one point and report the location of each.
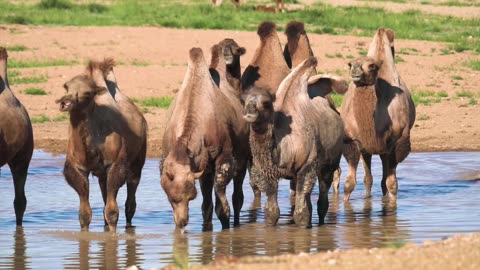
(19, 173)
(257, 195)
(385, 165)
(391, 180)
(367, 178)
(336, 180)
(325, 180)
(277, 5)
(78, 180)
(303, 205)
(283, 5)
(102, 182)
(222, 209)
(115, 179)
(352, 155)
(131, 202)
(293, 192)
(237, 196)
(206, 186)
(272, 211)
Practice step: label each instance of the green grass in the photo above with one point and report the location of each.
(473, 64)
(329, 55)
(34, 91)
(427, 97)
(15, 77)
(456, 77)
(423, 117)
(161, 102)
(12, 63)
(349, 56)
(16, 48)
(459, 4)
(362, 52)
(472, 101)
(337, 98)
(464, 93)
(42, 118)
(338, 55)
(399, 59)
(139, 63)
(319, 18)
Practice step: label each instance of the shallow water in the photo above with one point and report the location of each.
(438, 197)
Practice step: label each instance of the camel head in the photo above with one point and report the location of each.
(364, 70)
(231, 51)
(258, 105)
(80, 93)
(178, 181)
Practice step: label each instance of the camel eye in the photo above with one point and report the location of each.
(372, 67)
(349, 64)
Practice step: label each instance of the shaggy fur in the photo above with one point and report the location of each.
(293, 137)
(16, 138)
(101, 142)
(378, 113)
(206, 138)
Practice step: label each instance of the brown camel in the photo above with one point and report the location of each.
(102, 143)
(378, 113)
(297, 137)
(205, 139)
(16, 138)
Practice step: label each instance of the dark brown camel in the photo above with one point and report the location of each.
(378, 113)
(16, 138)
(205, 139)
(102, 143)
(295, 136)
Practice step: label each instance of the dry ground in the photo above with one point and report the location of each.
(152, 62)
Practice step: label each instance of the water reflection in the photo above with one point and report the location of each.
(428, 189)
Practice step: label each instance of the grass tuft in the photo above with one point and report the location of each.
(464, 93)
(161, 102)
(337, 98)
(42, 118)
(16, 48)
(473, 64)
(12, 63)
(423, 117)
(34, 91)
(15, 77)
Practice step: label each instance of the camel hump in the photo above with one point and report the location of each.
(196, 55)
(294, 29)
(107, 65)
(92, 66)
(3, 53)
(310, 62)
(216, 54)
(266, 29)
(390, 34)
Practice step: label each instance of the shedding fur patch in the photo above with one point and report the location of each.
(216, 54)
(3, 53)
(107, 65)
(266, 29)
(294, 29)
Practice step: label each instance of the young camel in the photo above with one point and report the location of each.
(205, 139)
(297, 137)
(102, 143)
(16, 138)
(378, 113)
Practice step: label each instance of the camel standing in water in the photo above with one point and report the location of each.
(16, 138)
(101, 142)
(378, 113)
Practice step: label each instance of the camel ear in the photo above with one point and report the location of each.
(323, 84)
(240, 51)
(100, 90)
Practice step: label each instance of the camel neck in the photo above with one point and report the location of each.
(3, 75)
(364, 108)
(262, 144)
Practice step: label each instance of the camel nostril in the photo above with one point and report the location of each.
(251, 108)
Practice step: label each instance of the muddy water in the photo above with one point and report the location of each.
(438, 197)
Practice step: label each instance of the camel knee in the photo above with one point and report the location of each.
(302, 216)
(111, 214)
(85, 216)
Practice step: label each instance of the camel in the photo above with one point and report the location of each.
(16, 138)
(102, 143)
(378, 113)
(205, 139)
(296, 137)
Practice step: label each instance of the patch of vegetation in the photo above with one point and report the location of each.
(408, 51)
(338, 55)
(362, 52)
(445, 51)
(472, 101)
(337, 98)
(15, 77)
(399, 59)
(442, 93)
(473, 64)
(42, 118)
(456, 77)
(34, 91)
(464, 93)
(139, 63)
(16, 48)
(395, 243)
(12, 63)
(423, 117)
(319, 17)
(161, 102)
(349, 56)
(427, 97)
(329, 55)
(60, 117)
(460, 3)
(145, 110)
